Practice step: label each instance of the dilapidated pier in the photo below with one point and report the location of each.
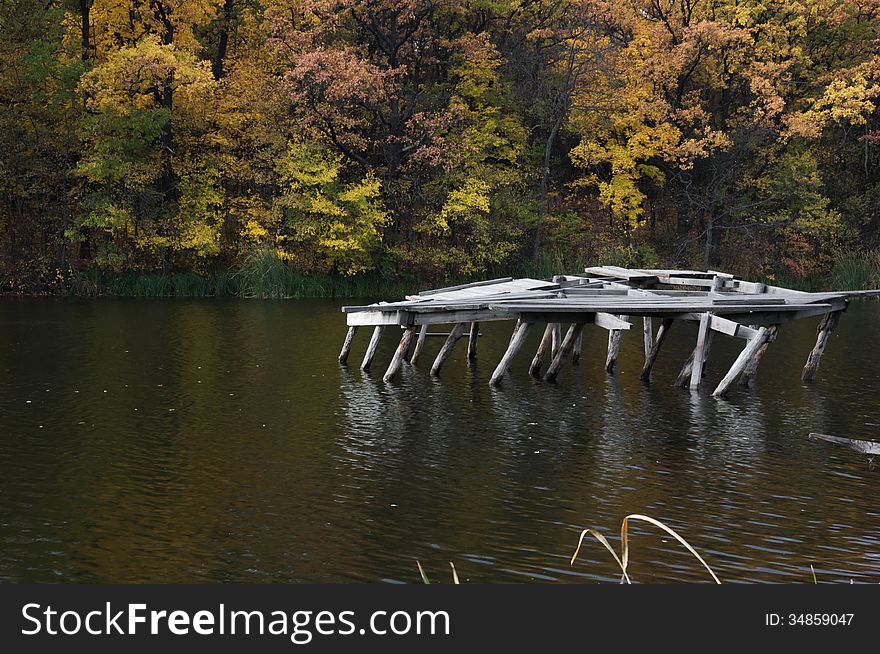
(610, 298)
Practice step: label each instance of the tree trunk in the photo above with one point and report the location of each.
(712, 251)
(223, 40)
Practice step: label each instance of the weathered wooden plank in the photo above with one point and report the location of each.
(731, 328)
(564, 351)
(420, 344)
(865, 447)
(545, 344)
(700, 352)
(371, 348)
(751, 369)
(399, 354)
(448, 289)
(516, 341)
(610, 321)
(446, 351)
(615, 338)
(375, 318)
(346, 345)
(741, 361)
(665, 326)
(648, 334)
(823, 331)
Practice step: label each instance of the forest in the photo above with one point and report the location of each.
(436, 140)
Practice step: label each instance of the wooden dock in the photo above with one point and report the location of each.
(608, 297)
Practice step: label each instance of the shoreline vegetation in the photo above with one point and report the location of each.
(312, 149)
(268, 277)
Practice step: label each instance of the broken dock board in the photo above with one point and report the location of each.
(865, 447)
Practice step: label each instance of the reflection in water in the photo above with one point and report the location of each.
(219, 440)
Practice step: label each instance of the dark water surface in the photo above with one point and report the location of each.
(218, 440)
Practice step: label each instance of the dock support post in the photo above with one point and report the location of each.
(346, 345)
(516, 341)
(538, 361)
(826, 326)
(472, 341)
(615, 337)
(751, 369)
(651, 357)
(700, 351)
(578, 346)
(648, 331)
(684, 377)
(399, 354)
(371, 348)
(446, 350)
(564, 350)
(420, 343)
(741, 362)
(557, 338)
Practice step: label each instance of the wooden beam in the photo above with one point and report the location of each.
(472, 341)
(665, 326)
(447, 348)
(700, 352)
(538, 360)
(826, 327)
(865, 447)
(371, 348)
(609, 321)
(564, 351)
(516, 341)
(648, 333)
(399, 354)
(420, 344)
(375, 318)
(741, 361)
(615, 337)
(751, 369)
(731, 328)
(346, 345)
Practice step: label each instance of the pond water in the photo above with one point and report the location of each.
(219, 440)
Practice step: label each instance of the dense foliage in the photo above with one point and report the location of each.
(435, 138)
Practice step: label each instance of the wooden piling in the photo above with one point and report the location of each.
(447, 348)
(665, 326)
(648, 333)
(684, 377)
(399, 354)
(700, 352)
(556, 339)
(472, 341)
(564, 351)
(741, 362)
(576, 351)
(516, 341)
(615, 338)
(826, 327)
(538, 360)
(346, 345)
(371, 348)
(420, 344)
(751, 369)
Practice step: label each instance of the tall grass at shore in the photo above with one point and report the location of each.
(266, 276)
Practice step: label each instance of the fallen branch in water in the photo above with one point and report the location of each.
(865, 447)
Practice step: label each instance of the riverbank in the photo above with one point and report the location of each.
(268, 277)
